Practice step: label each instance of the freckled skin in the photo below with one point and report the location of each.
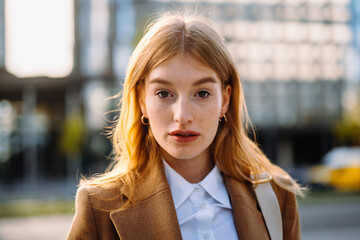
(183, 94)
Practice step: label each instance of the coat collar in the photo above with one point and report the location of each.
(154, 216)
(248, 217)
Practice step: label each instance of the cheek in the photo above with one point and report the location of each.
(154, 109)
(210, 116)
(158, 116)
(211, 110)
(208, 119)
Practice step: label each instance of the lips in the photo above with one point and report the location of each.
(184, 136)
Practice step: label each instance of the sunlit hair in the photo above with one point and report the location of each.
(136, 152)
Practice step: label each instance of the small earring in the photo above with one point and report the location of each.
(144, 120)
(223, 117)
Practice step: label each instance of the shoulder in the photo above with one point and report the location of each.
(92, 213)
(283, 195)
(99, 198)
(281, 184)
(98, 191)
(289, 211)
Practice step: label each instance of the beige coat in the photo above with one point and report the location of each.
(98, 214)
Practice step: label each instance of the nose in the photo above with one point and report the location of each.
(183, 112)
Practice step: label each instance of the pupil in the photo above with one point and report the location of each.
(202, 94)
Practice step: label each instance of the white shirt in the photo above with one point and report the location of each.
(203, 209)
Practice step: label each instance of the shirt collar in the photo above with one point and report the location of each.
(181, 189)
(213, 183)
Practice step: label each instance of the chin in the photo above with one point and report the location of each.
(179, 154)
(182, 156)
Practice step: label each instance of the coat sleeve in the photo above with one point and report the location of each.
(83, 225)
(290, 216)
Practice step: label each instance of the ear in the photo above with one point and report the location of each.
(226, 99)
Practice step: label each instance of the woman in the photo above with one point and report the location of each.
(183, 160)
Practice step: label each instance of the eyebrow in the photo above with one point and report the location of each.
(197, 83)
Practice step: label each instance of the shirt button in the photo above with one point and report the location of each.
(203, 205)
(197, 189)
(206, 236)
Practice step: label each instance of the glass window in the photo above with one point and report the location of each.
(39, 37)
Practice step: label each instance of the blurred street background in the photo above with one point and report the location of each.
(61, 61)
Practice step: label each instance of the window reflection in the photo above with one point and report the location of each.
(39, 37)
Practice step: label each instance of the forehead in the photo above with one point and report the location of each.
(183, 69)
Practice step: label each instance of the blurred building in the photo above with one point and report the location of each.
(298, 60)
(299, 63)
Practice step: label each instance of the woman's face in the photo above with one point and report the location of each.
(183, 101)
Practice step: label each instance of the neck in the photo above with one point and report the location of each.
(192, 170)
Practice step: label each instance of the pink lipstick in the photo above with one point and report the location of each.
(184, 136)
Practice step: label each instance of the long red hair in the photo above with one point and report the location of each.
(136, 152)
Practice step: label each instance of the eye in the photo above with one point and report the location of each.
(203, 94)
(163, 94)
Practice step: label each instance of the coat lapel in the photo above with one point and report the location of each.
(153, 217)
(248, 218)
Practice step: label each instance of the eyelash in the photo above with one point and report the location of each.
(160, 92)
(207, 94)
